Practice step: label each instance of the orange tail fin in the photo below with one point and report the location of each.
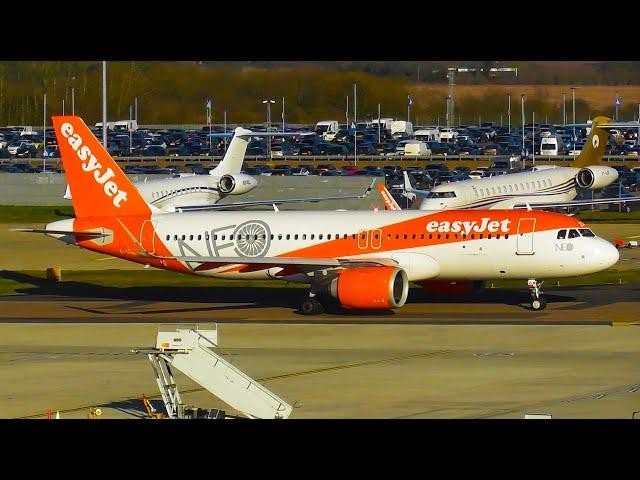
(389, 202)
(97, 184)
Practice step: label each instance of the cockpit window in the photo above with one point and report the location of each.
(562, 234)
(441, 195)
(573, 233)
(585, 232)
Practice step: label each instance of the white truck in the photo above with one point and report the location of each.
(327, 129)
(416, 148)
(401, 127)
(384, 123)
(428, 135)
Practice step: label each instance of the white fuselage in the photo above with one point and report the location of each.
(169, 193)
(505, 191)
(461, 244)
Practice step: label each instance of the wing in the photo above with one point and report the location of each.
(253, 203)
(281, 261)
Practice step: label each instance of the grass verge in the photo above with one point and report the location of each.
(35, 214)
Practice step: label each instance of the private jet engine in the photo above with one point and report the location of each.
(596, 177)
(236, 184)
(370, 288)
(446, 287)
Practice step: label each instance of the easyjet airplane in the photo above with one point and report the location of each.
(362, 259)
(203, 192)
(547, 186)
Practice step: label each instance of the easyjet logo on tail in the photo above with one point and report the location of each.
(470, 226)
(90, 164)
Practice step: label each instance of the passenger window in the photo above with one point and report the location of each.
(585, 232)
(304, 236)
(320, 237)
(223, 237)
(272, 236)
(430, 236)
(447, 236)
(288, 236)
(313, 236)
(230, 237)
(175, 237)
(405, 236)
(473, 235)
(562, 234)
(295, 237)
(573, 233)
(412, 236)
(388, 236)
(329, 236)
(506, 236)
(498, 236)
(215, 237)
(344, 237)
(199, 237)
(422, 236)
(489, 236)
(397, 236)
(184, 237)
(279, 236)
(168, 237)
(190, 237)
(439, 236)
(206, 235)
(482, 235)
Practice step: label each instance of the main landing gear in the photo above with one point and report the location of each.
(537, 301)
(312, 306)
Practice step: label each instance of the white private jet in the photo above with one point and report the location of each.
(203, 192)
(546, 186)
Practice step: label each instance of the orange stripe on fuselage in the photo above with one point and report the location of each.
(346, 247)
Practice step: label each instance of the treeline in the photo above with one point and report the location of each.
(176, 93)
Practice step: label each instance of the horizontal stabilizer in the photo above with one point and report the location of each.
(58, 232)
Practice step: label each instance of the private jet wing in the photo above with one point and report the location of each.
(253, 203)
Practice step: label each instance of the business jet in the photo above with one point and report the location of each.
(362, 260)
(203, 192)
(546, 186)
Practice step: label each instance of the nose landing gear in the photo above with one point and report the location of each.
(537, 301)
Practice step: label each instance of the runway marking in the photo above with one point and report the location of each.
(106, 258)
(262, 380)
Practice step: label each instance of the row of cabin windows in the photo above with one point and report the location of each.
(363, 236)
(162, 193)
(513, 188)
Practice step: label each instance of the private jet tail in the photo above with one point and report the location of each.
(99, 186)
(594, 145)
(234, 156)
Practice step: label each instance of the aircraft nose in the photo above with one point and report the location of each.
(606, 253)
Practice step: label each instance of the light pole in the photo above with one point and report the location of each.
(209, 122)
(509, 111)
(355, 124)
(282, 114)
(573, 95)
(73, 97)
(269, 102)
(378, 123)
(225, 131)
(104, 104)
(564, 112)
(522, 99)
(130, 130)
(44, 133)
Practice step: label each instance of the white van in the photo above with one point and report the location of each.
(448, 134)
(552, 145)
(416, 148)
(125, 126)
(327, 129)
(384, 123)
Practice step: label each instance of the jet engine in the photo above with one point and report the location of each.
(236, 184)
(446, 287)
(596, 177)
(370, 288)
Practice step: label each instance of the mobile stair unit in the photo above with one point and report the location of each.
(189, 350)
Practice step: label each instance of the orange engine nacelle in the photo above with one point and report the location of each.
(446, 287)
(371, 288)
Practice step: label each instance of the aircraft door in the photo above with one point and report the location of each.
(526, 228)
(363, 239)
(376, 238)
(148, 236)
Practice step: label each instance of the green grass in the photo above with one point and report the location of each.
(35, 214)
(609, 217)
(116, 282)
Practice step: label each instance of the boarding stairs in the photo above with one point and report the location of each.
(190, 351)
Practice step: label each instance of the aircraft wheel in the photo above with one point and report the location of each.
(311, 306)
(538, 304)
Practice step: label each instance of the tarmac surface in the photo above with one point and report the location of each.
(481, 357)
